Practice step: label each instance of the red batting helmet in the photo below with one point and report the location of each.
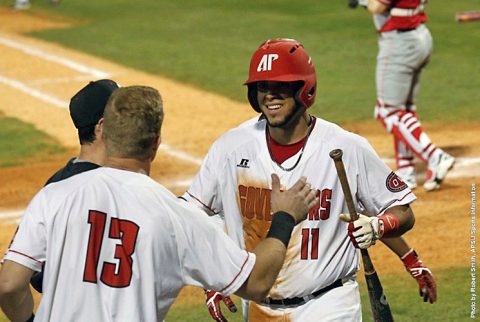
(282, 60)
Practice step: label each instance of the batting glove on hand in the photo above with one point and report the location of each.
(423, 276)
(364, 231)
(212, 299)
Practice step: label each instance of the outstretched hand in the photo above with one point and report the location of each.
(213, 300)
(296, 201)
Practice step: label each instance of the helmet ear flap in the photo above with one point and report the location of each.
(252, 96)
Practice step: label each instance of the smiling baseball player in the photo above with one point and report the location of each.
(317, 281)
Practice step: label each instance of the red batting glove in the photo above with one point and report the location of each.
(423, 276)
(212, 299)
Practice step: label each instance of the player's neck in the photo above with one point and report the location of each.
(94, 152)
(293, 133)
(134, 165)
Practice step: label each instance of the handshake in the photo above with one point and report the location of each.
(355, 3)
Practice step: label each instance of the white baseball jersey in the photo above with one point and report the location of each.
(119, 247)
(235, 182)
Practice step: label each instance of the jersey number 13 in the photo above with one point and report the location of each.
(113, 274)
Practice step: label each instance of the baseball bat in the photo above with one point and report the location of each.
(467, 16)
(378, 302)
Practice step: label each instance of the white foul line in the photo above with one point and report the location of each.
(179, 154)
(53, 58)
(33, 92)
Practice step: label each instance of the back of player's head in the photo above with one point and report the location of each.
(282, 60)
(132, 122)
(87, 107)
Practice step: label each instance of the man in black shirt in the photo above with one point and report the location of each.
(86, 111)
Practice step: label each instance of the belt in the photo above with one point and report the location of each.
(295, 301)
(405, 29)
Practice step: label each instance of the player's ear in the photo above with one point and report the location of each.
(155, 145)
(99, 129)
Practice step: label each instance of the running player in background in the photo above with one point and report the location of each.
(318, 279)
(119, 247)
(405, 46)
(86, 110)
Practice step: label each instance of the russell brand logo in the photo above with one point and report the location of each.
(244, 163)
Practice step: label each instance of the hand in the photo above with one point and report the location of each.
(296, 201)
(423, 276)
(212, 299)
(364, 231)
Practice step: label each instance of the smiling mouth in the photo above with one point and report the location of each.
(274, 107)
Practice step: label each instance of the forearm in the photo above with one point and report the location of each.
(397, 244)
(397, 220)
(270, 254)
(17, 306)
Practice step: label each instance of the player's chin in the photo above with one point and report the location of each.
(274, 120)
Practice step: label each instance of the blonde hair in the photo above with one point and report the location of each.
(132, 121)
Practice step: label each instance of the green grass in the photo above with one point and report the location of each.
(21, 141)
(453, 301)
(402, 293)
(209, 44)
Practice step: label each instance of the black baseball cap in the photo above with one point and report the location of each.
(88, 105)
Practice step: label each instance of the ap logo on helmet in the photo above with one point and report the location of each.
(266, 62)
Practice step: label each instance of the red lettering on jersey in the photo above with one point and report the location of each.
(127, 232)
(97, 220)
(242, 193)
(325, 203)
(113, 274)
(250, 205)
(313, 214)
(322, 209)
(309, 243)
(266, 196)
(255, 202)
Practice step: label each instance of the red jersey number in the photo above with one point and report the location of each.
(117, 274)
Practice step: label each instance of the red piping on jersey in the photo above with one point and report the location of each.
(202, 203)
(241, 269)
(14, 251)
(383, 209)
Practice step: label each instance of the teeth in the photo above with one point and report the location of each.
(274, 107)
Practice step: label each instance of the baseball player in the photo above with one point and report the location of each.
(86, 110)
(405, 46)
(119, 247)
(318, 279)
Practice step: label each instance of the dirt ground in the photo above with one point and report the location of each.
(193, 120)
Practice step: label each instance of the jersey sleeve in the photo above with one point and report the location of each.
(204, 190)
(208, 257)
(378, 187)
(28, 247)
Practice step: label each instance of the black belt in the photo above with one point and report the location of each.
(405, 29)
(293, 301)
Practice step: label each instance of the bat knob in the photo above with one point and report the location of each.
(336, 154)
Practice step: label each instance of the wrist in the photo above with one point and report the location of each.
(410, 258)
(281, 227)
(388, 224)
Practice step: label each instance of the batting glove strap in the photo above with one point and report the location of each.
(421, 274)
